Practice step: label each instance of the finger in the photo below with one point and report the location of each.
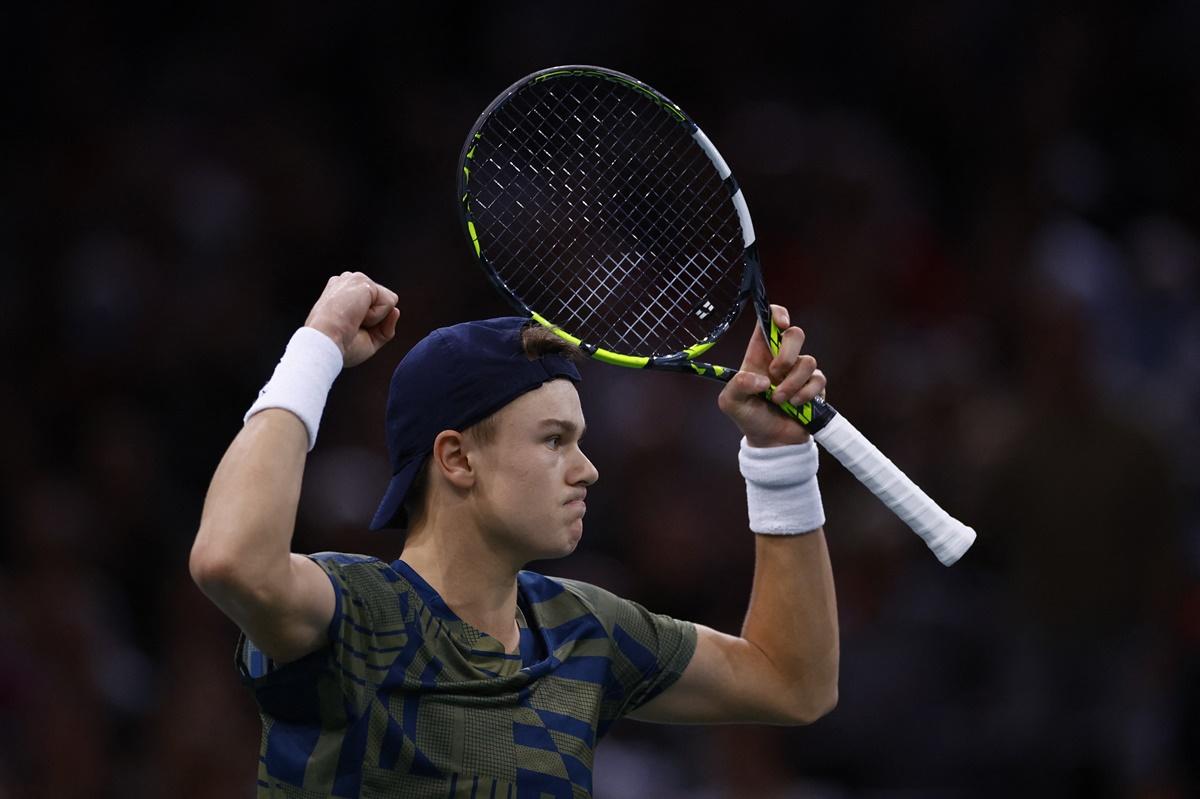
(741, 395)
(789, 350)
(387, 315)
(389, 324)
(757, 357)
(783, 319)
(380, 294)
(376, 314)
(815, 387)
(758, 354)
(800, 373)
(745, 386)
(383, 300)
(383, 332)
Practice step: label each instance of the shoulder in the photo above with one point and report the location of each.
(361, 575)
(648, 650)
(343, 557)
(346, 563)
(562, 598)
(593, 596)
(350, 563)
(346, 559)
(540, 588)
(372, 595)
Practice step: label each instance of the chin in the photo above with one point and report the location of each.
(549, 540)
(569, 542)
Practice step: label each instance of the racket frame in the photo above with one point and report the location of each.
(947, 537)
(813, 415)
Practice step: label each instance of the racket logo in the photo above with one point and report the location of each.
(704, 310)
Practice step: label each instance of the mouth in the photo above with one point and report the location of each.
(577, 503)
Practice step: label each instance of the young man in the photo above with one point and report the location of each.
(452, 672)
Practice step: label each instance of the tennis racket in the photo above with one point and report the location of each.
(599, 208)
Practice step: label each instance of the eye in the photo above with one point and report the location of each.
(553, 441)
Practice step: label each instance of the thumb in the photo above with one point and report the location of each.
(758, 354)
(746, 385)
(742, 393)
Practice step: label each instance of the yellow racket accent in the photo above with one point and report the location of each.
(661, 101)
(804, 413)
(698, 349)
(614, 358)
(617, 359)
(774, 337)
(474, 236)
(706, 369)
(801, 413)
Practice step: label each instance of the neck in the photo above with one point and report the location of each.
(478, 585)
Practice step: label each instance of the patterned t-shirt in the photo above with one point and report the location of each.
(408, 700)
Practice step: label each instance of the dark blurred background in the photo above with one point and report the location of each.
(984, 215)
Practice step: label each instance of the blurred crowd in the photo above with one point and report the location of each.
(984, 215)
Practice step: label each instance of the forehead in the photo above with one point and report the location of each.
(556, 399)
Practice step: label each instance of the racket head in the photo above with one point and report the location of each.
(598, 207)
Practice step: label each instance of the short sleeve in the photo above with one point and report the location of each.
(367, 628)
(649, 650)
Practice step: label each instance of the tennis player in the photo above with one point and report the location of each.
(451, 671)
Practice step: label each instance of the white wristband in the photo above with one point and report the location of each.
(302, 379)
(782, 494)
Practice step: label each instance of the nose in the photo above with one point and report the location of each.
(586, 472)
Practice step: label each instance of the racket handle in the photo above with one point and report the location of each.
(946, 536)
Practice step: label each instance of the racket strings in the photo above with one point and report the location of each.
(641, 332)
(596, 207)
(621, 160)
(583, 174)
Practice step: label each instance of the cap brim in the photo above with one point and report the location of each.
(390, 514)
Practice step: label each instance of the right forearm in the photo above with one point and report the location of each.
(250, 511)
(242, 557)
(245, 536)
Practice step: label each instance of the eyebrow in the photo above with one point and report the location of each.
(569, 427)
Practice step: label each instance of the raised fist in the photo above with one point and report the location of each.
(357, 313)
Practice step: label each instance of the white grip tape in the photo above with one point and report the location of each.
(946, 536)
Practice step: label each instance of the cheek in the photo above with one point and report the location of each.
(517, 480)
(529, 483)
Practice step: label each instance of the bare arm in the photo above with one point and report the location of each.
(242, 557)
(783, 669)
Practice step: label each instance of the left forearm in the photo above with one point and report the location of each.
(783, 669)
(792, 619)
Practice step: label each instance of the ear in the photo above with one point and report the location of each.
(450, 455)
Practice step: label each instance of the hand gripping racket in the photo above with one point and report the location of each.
(600, 209)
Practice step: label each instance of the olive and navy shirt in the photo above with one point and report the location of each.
(408, 700)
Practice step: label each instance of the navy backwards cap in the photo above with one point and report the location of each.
(453, 378)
